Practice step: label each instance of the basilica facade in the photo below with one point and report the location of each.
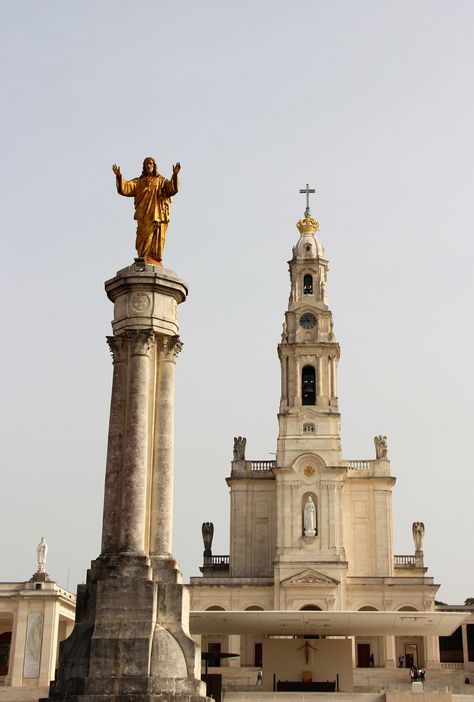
(311, 530)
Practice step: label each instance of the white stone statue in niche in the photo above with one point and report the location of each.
(309, 519)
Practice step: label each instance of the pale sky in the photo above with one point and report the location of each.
(371, 102)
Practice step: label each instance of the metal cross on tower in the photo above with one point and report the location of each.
(308, 191)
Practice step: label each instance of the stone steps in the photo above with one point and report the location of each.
(301, 697)
(365, 681)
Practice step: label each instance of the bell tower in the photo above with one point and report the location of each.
(308, 417)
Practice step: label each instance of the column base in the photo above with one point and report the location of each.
(161, 696)
(136, 690)
(131, 639)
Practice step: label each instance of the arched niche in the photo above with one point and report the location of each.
(310, 608)
(304, 499)
(368, 608)
(309, 462)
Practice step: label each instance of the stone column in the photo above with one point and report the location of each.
(432, 657)
(338, 517)
(163, 458)
(113, 473)
(50, 642)
(234, 647)
(334, 376)
(331, 378)
(325, 512)
(284, 381)
(465, 645)
(332, 493)
(354, 652)
(297, 390)
(17, 648)
(319, 381)
(131, 637)
(135, 468)
(390, 652)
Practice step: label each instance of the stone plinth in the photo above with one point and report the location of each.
(131, 640)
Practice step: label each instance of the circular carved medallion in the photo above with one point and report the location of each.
(140, 302)
(309, 471)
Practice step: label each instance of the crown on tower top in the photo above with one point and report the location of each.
(307, 225)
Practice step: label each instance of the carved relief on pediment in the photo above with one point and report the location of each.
(309, 577)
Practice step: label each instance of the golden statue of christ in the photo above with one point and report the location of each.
(152, 193)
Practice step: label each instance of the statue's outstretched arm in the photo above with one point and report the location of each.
(124, 187)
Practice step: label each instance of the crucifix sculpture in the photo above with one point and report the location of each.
(307, 646)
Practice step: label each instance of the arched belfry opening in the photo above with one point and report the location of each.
(308, 284)
(308, 385)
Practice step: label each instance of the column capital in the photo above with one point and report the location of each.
(331, 487)
(141, 341)
(117, 347)
(170, 346)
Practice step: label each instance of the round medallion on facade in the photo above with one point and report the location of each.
(308, 320)
(309, 471)
(140, 302)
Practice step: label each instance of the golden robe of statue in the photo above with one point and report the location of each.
(152, 193)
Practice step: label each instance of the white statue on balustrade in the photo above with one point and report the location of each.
(42, 552)
(418, 531)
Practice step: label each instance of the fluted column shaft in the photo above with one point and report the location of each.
(334, 377)
(319, 381)
(163, 458)
(132, 528)
(113, 473)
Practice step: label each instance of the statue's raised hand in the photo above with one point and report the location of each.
(116, 170)
(176, 168)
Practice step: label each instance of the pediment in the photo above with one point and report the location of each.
(309, 577)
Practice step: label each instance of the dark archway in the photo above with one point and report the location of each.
(308, 284)
(308, 385)
(5, 643)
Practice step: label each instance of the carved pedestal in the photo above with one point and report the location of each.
(131, 639)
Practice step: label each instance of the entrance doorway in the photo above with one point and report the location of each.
(363, 655)
(5, 642)
(411, 655)
(214, 650)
